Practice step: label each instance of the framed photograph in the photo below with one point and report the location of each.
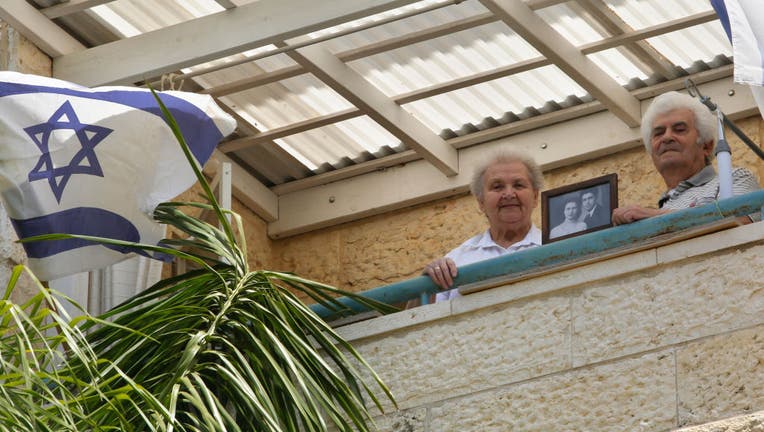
(578, 208)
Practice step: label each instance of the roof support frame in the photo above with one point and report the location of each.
(375, 104)
(38, 28)
(193, 42)
(440, 88)
(522, 20)
(640, 51)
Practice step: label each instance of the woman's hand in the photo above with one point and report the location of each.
(442, 271)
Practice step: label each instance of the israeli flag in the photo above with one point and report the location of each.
(94, 162)
(743, 20)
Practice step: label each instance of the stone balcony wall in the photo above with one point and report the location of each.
(653, 340)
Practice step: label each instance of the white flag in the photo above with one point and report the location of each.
(94, 162)
(743, 20)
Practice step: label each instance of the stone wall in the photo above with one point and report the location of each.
(651, 341)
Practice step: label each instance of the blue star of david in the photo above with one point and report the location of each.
(83, 162)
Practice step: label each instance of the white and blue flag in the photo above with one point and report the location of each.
(94, 162)
(743, 20)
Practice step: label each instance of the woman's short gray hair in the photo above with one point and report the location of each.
(705, 121)
(506, 156)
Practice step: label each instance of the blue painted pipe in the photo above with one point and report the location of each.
(560, 252)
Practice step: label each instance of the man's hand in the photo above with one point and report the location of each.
(442, 271)
(633, 213)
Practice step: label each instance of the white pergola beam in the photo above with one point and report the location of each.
(71, 7)
(417, 182)
(253, 194)
(249, 26)
(523, 21)
(38, 28)
(378, 106)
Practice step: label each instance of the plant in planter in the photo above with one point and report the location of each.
(220, 348)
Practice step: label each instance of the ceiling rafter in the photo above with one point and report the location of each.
(640, 52)
(447, 86)
(291, 129)
(649, 32)
(255, 81)
(521, 19)
(38, 28)
(375, 104)
(169, 49)
(71, 7)
(377, 48)
(444, 87)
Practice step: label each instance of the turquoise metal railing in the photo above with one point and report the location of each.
(562, 251)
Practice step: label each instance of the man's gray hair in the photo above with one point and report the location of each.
(705, 121)
(506, 156)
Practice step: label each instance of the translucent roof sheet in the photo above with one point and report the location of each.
(453, 65)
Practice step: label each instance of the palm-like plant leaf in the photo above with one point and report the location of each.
(221, 348)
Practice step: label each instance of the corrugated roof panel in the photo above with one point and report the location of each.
(131, 17)
(419, 66)
(331, 144)
(684, 47)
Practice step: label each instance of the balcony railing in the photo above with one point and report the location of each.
(555, 255)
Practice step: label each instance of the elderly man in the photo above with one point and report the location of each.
(679, 134)
(507, 190)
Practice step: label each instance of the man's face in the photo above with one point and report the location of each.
(587, 200)
(508, 195)
(674, 144)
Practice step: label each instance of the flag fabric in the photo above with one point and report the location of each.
(94, 162)
(743, 21)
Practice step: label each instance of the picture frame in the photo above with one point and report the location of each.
(562, 208)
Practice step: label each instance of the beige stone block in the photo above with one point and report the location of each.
(468, 353)
(402, 421)
(635, 394)
(721, 376)
(395, 321)
(669, 304)
(738, 236)
(557, 280)
(746, 423)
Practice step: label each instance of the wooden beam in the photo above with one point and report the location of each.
(375, 104)
(249, 26)
(294, 128)
(253, 194)
(38, 28)
(71, 7)
(640, 52)
(649, 32)
(521, 19)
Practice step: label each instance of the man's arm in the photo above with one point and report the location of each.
(633, 213)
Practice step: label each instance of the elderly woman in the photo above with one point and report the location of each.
(507, 190)
(570, 223)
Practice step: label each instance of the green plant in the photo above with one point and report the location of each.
(220, 348)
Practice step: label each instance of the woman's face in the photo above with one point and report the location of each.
(508, 195)
(571, 210)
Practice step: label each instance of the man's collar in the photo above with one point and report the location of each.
(700, 178)
(703, 176)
